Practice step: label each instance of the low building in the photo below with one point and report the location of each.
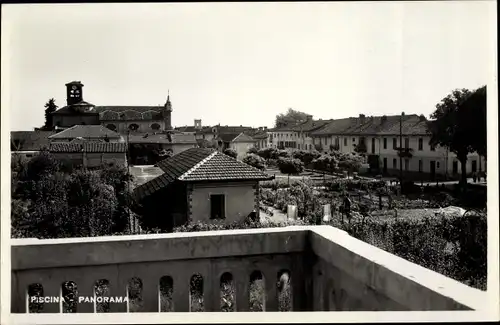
(90, 154)
(240, 143)
(87, 132)
(199, 184)
(29, 143)
(295, 135)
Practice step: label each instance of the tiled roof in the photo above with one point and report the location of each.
(221, 167)
(260, 135)
(372, 124)
(335, 127)
(242, 137)
(311, 125)
(89, 147)
(162, 138)
(82, 107)
(225, 129)
(227, 137)
(86, 132)
(413, 125)
(119, 109)
(186, 128)
(196, 165)
(29, 140)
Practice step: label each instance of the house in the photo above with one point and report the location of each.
(90, 154)
(199, 184)
(240, 143)
(295, 135)
(87, 132)
(381, 137)
(261, 138)
(174, 141)
(29, 143)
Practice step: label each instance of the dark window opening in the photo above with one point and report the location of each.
(455, 167)
(385, 143)
(420, 144)
(394, 163)
(394, 143)
(217, 206)
(407, 143)
(345, 141)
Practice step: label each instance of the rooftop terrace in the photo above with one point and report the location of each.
(329, 271)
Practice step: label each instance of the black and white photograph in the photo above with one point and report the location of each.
(171, 162)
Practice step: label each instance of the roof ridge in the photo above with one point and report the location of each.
(198, 165)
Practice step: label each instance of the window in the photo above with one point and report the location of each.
(407, 164)
(407, 143)
(112, 127)
(325, 140)
(345, 141)
(373, 145)
(133, 127)
(394, 143)
(353, 139)
(437, 164)
(385, 143)
(420, 166)
(433, 148)
(155, 126)
(394, 163)
(420, 144)
(217, 206)
(455, 167)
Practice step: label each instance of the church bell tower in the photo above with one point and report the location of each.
(74, 92)
(167, 114)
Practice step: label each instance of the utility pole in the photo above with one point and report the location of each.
(401, 149)
(128, 181)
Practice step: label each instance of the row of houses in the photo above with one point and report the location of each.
(381, 137)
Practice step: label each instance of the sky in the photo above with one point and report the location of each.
(244, 63)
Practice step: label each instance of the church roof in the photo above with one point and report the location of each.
(81, 107)
(129, 113)
(86, 132)
(198, 165)
(100, 109)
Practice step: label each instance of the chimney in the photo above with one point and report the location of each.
(265, 127)
(422, 118)
(383, 119)
(260, 128)
(362, 118)
(309, 118)
(197, 124)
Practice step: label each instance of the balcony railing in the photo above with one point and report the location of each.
(329, 271)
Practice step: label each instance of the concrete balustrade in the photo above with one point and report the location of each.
(328, 269)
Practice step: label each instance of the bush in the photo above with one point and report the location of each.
(451, 245)
(268, 153)
(325, 163)
(255, 161)
(231, 153)
(290, 166)
(306, 156)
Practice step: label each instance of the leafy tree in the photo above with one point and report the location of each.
(289, 118)
(360, 148)
(306, 156)
(326, 163)
(267, 153)
(253, 150)
(290, 166)
(349, 162)
(450, 127)
(50, 107)
(474, 109)
(255, 161)
(231, 152)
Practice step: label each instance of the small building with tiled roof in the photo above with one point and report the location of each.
(90, 154)
(199, 184)
(87, 132)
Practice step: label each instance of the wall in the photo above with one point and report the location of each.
(71, 120)
(144, 126)
(97, 159)
(241, 148)
(240, 200)
(329, 269)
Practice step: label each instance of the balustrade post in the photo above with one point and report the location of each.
(151, 294)
(180, 296)
(52, 288)
(86, 290)
(242, 285)
(271, 301)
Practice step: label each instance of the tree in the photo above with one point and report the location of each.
(360, 147)
(349, 162)
(290, 117)
(50, 107)
(450, 128)
(253, 150)
(231, 153)
(306, 156)
(290, 166)
(325, 163)
(268, 153)
(255, 161)
(474, 108)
